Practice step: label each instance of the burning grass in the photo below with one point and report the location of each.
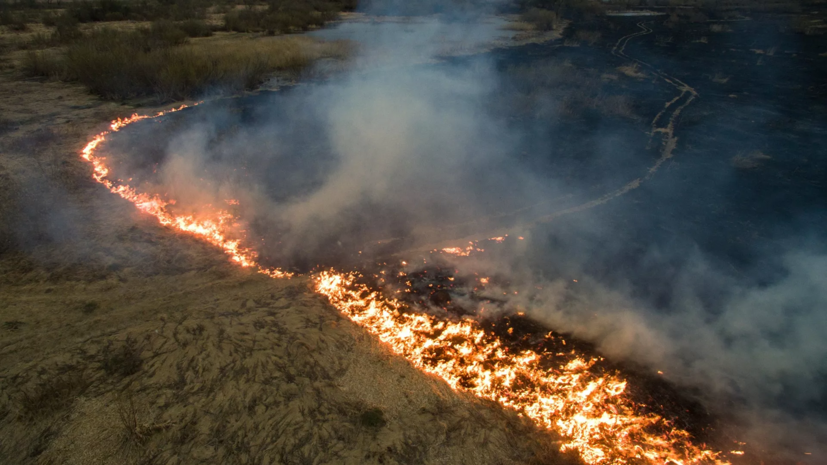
(588, 408)
(121, 65)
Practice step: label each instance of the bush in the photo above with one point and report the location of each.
(44, 64)
(123, 361)
(195, 28)
(241, 21)
(15, 22)
(281, 17)
(372, 418)
(66, 30)
(49, 19)
(120, 10)
(163, 34)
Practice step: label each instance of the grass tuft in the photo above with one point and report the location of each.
(54, 394)
(124, 360)
(372, 418)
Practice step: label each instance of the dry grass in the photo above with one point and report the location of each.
(115, 66)
(53, 395)
(242, 369)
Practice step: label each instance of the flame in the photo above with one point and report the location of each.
(460, 252)
(456, 251)
(590, 411)
(213, 228)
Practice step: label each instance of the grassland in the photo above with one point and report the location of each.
(125, 343)
(120, 50)
(122, 65)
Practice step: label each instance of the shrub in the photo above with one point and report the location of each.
(123, 361)
(372, 418)
(44, 64)
(55, 393)
(281, 17)
(195, 28)
(15, 22)
(241, 21)
(163, 34)
(49, 19)
(66, 30)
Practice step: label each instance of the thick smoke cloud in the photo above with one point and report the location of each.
(390, 150)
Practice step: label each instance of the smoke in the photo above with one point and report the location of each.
(411, 148)
(755, 350)
(386, 151)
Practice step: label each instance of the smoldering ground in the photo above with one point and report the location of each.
(664, 278)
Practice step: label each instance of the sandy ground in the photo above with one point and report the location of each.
(122, 342)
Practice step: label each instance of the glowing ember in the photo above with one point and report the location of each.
(456, 251)
(588, 410)
(460, 252)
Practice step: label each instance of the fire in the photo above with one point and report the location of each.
(588, 410)
(456, 251)
(213, 228)
(464, 252)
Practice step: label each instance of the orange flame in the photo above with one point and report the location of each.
(589, 411)
(212, 229)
